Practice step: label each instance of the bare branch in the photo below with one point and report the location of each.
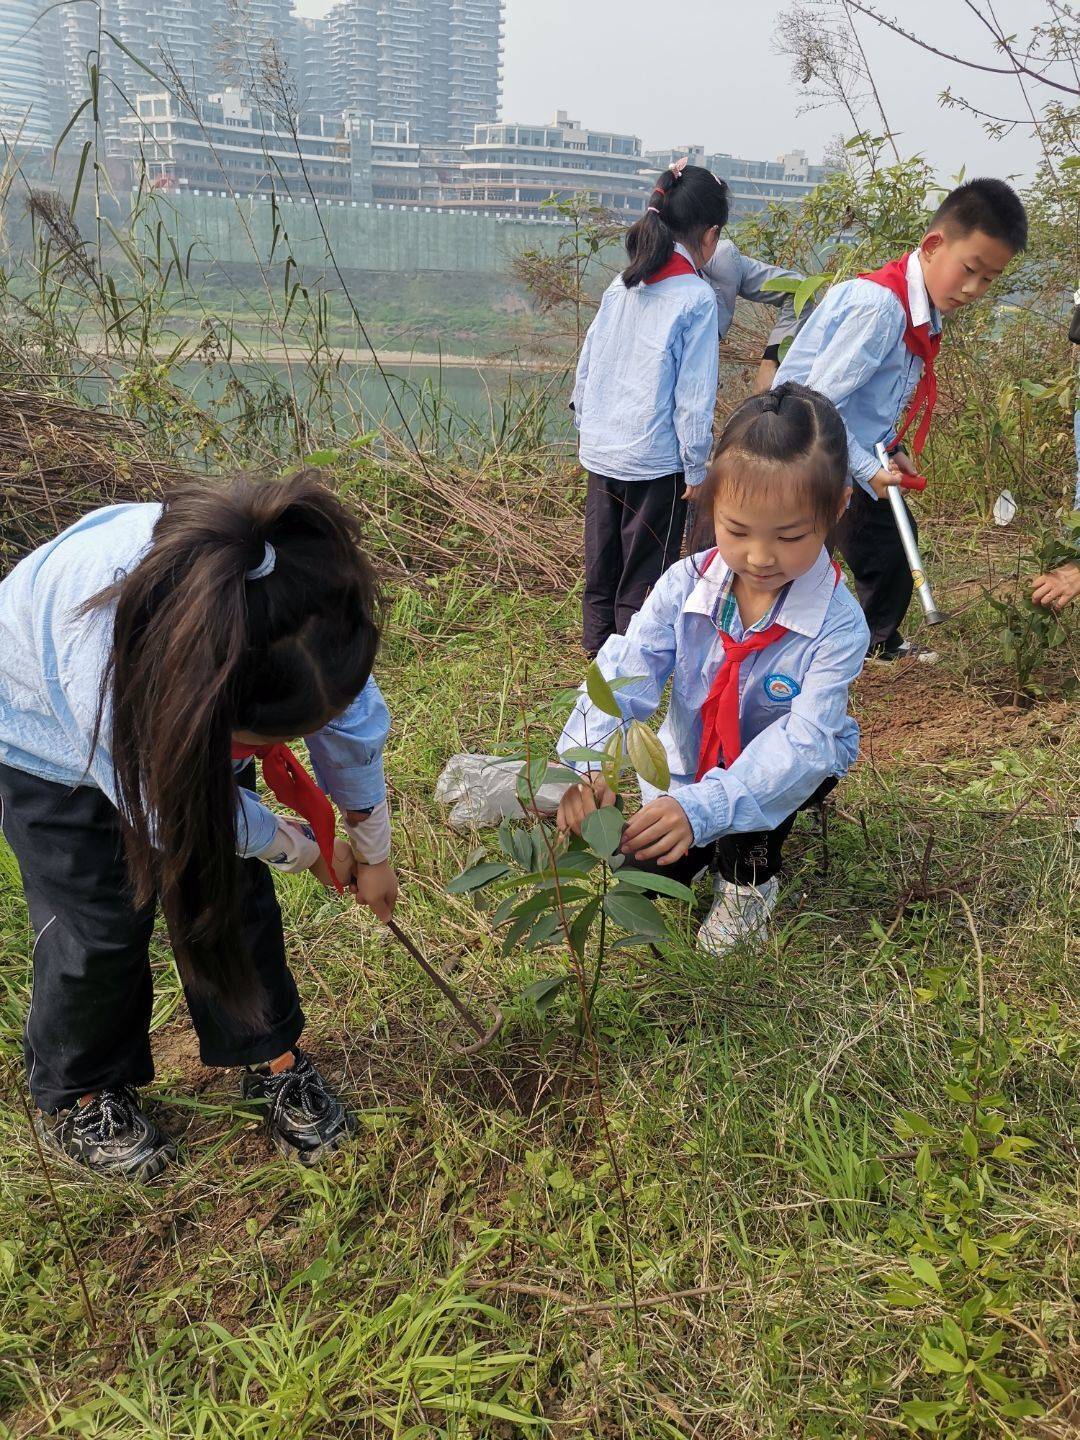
(1014, 69)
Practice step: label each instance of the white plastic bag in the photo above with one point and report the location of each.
(482, 790)
(1004, 508)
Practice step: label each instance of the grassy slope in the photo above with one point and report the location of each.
(428, 1281)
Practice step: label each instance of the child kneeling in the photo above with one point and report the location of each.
(762, 640)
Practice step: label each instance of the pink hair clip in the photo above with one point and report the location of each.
(653, 208)
(678, 166)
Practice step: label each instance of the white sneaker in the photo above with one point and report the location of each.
(738, 912)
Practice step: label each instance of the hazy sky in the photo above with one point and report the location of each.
(689, 71)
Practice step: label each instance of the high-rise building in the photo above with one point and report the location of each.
(314, 82)
(433, 65)
(475, 59)
(26, 106)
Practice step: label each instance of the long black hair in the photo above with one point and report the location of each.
(683, 205)
(790, 436)
(201, 649)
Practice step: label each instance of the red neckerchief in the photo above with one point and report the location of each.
(721, 737)
(677, 265)
(920, 342)
(296, 790)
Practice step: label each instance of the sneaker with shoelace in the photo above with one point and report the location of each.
(304, 1116)
(109, 1133)
(739, 912)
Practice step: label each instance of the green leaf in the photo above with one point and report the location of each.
(969, 1252)
(581, 925)
(477, 877)
(516, 931)
(636, 913)
(805, 291)
(782, 284)
(993, 1386)
(544, 930)
(924, 1413)
(576, 862)
(658, 884)
(1010, 1148)
(648, 756)
(954, 1336)
(323, 457)
(923, 1164)
(602, 830)
(530, 778)
(541, 994)
(583, 754)
(1024, 1409)
(909, 1123)
(944, 1360)
(600, 692)
(522, 846)
(922, 1269)
(969, 1144)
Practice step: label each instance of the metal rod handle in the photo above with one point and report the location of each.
(911, 547)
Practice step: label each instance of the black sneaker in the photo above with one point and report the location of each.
(110, 1133)
(304, 1117)
(906, 650)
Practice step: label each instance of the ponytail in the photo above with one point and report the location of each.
(685, 202)
(254, 610)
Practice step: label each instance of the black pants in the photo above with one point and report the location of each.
(750, 858)
(869, 541)
(633, 531)
(88, 1026)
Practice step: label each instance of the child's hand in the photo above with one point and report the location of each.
(885, 479)
(690, 492)
(1057, 588)
(344, 865)
(581, 800)
(659, 831)
(376, 887)
(903, 462)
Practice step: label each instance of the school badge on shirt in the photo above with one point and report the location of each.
(780, 688)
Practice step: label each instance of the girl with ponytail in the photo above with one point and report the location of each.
(644, 396)
(149, 655)
(761, 641)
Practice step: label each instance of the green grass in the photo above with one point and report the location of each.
(463, 1269)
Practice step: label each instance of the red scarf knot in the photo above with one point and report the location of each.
(294, 788)
(920, 342)
(721, 733)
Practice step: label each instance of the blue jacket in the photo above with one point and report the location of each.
(793, 695)
(733, 274)
(52, 660)
(646, 380)
(852, 350)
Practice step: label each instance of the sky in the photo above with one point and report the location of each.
(689, 71)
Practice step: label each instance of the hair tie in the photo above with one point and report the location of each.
(678, 166)
(265, 566)
(653, 208)
(770, 403)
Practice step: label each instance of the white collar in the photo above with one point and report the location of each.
(804, 606)
(923, 311)
(680, 249)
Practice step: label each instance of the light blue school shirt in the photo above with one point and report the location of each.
(852, 350)
(52, 660)
(646, 380)
(793, 695)
(733, 274)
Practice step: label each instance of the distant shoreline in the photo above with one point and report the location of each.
(346, 355)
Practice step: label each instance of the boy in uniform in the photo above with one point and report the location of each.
(870, 346)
